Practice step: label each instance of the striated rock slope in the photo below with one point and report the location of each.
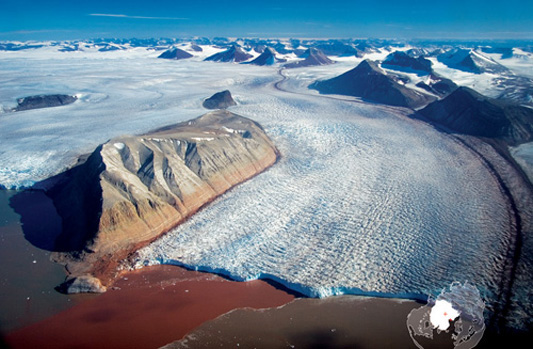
(220, 100)
(370, 82)
(132, 189)
(466, 111)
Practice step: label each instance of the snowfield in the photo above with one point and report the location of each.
(364, 200)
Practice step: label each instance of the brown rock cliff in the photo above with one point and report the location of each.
(133, 189)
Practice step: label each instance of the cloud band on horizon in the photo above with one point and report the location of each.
(134, 17)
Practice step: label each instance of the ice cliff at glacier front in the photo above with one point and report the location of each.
(134, 188)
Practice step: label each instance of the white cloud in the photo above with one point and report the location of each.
(134, 17)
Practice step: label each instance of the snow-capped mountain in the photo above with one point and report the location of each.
(267, 57)
(233, 54)
(312, 57)
(175, 53)
(471, 61)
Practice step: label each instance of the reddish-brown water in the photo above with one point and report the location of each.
(148, 308)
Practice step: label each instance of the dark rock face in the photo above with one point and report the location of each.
(175, 53)
(220, 100)
(268, 57)
(401, 61)
(233, 54)
(44, 101)
(466, 111)
(196, 48)
(312, 57)
(438, 85)
(470, 61)
(369, 82)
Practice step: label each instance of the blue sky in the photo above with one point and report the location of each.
(74, 19)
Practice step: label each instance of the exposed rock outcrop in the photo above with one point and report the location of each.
(196, 48)
(233, 54)
(175, 53)
(312, 57)
(466, 111)
(220, 100)
(401, 61)
(44, 101)
(82, 284)
(438, 85)
(132, 189)
(267, 57)
(369, 82)
(471, 61)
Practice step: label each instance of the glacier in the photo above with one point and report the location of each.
(365, 200)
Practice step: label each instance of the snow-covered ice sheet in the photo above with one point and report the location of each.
(125, 92)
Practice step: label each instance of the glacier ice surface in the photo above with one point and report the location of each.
(364, 200)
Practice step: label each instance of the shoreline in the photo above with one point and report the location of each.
(148, 308)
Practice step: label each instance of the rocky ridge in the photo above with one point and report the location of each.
(471, 61)
(312, 57)
(233, 54)
(267, 57)
(175, 53)
(44, 101)
(132, 189)
(466, 111)
(401, 61)
(370, 82)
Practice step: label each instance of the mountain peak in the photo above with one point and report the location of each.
(175, 53)
(471, 61)
(267, 57)
(401, 61)
(369, 82)
(233, 54)
(313, 56)
(466, 111)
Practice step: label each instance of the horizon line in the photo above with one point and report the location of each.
(134, 17)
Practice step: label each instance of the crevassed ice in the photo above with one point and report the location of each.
(362, 201)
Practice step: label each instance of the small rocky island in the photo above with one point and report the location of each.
(44, 101)
(133, 189)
